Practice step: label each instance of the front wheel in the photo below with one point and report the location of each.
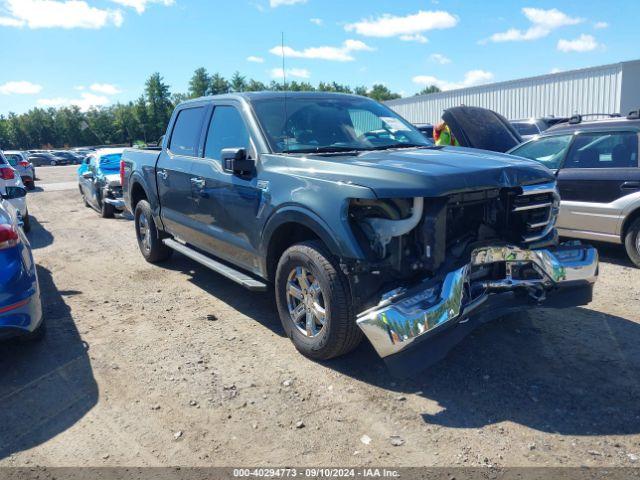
(314, 302)
(107, 210)
(53, 163)
(632, 242)
(149, 240)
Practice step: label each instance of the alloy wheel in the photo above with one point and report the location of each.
(305, 301)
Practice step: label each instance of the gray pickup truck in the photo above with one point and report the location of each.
(360, 224)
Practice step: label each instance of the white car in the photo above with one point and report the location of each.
(10, 179)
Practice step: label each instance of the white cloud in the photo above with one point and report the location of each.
(20, 88)
(600, 25)
(141, 5)
(291, 72)
(316, 21)
(387, 26)
(85, 102)
(54, 13)
(254, 59)
(337, 54)
(556, 70)
(543, 23)
(584, 43)
(105, 88)
(439, 58)
(471, 78)
(278, 3)
(417, 37)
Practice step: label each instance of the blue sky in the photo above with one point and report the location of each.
(96, 52)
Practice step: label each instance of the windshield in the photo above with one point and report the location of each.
(110, 163)
(526, 128)
(547, 150)
(13, 159)
(315, 124)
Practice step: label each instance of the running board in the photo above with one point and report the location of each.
(231, 273)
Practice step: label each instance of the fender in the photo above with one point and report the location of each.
(302, 216)
(150, 191)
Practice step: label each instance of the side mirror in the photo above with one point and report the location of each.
(14, 192)
(87, 175)
(235, 160)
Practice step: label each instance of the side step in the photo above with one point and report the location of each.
(229, 272)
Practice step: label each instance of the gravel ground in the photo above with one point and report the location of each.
(174, 365)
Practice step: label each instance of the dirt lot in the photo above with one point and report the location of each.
(174, 365)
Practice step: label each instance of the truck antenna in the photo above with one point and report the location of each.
(284, 88)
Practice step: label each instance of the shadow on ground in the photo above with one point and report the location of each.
(39, 236)
(572, 371)
(46, 386)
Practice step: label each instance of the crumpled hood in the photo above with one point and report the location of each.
(423, 172)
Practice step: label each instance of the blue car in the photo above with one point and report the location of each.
(20, 305)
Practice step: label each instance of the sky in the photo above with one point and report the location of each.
(98, 52)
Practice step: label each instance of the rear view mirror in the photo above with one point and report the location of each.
(236, 161)
(87, 175)
(14, 192)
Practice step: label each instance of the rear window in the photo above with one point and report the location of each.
(547, 150)
(186, 132)
(110, 162)
(525, 128)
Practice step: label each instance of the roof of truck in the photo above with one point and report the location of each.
(270, 94)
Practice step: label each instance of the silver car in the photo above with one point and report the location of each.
(26, 170)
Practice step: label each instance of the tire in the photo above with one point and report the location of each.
(30, 185)
(26, 223)
(107, 210)
(339, 333)
(148, 236)
(632, 242)
(53, 163)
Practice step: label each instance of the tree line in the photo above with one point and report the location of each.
(145, 119)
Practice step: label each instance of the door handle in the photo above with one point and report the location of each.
(162, 174)
(630, 186)
(198, 182)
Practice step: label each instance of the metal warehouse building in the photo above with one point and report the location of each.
(611, 88)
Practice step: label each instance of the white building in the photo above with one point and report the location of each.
(606, 89)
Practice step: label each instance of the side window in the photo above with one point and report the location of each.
(604, 150)
(226, 130)
(186, 132)
(549, 151)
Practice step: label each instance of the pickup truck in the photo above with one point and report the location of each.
(360, 224)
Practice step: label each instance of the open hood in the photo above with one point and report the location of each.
(476, 127)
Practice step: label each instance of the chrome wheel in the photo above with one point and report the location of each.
(144, 233)
(305, 301)
(638, 243)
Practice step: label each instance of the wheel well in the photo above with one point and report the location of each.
(628, 221)
(286, 235)
(137, 194)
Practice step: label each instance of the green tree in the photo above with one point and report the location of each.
(255, 86)
(159, 105)
(218, 85)
(428, 90)
(381, 93)
(199, 83)
(238, 82)
(142, 117)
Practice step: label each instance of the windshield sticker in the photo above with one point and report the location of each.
(394, 123)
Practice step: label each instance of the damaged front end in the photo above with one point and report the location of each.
(468, 259)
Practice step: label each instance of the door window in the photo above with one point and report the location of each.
(186, 132)
(604, 150)
(226, 130)
(549, 151)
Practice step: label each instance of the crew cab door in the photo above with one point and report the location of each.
(600, 169)
(226, 204)
(173, 173)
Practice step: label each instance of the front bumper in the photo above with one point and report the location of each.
(117, 203)
(559, 277)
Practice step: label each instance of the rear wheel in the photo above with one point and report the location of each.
(632, 242)
(314, 302)
(149, 240)
(30, 185)
(53, 163)
(107, 210)
(26, 222)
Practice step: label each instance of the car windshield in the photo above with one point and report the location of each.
(325, 125)
(110, 163)
(547, 150)
(526, 128)
(13, 159)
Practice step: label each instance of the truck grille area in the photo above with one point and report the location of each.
(534, 211)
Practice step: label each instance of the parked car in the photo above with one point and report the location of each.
(530, 127)
(426, 129)
(26, 170)
(99, 182)
(40, 159)
(10, 179)
(20, 305)
(360, 223)
(65, 158)
(596, 163)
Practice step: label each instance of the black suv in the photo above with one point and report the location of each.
(596, 163)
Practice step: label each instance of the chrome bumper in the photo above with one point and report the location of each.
(403, 315)
(116, 202)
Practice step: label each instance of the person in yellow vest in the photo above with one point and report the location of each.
(442, 135)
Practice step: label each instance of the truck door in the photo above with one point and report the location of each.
(173, 173)
(226, 205)
(600, 168)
